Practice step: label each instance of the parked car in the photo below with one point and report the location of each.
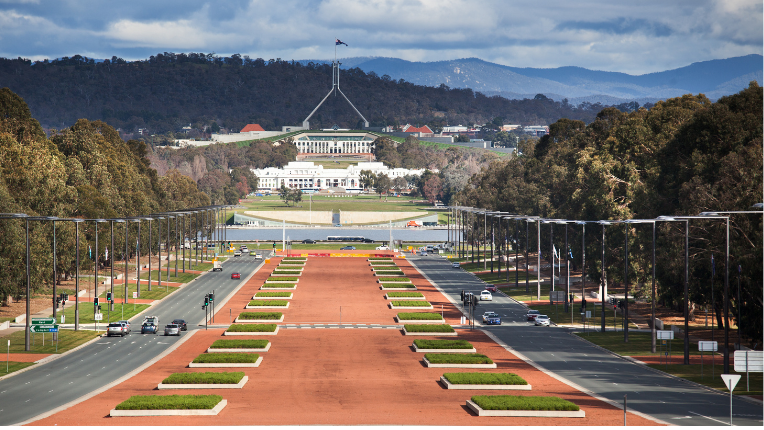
(486, 295)
(382, 248)
(492, 288)
(308, 241)
(531, 315)
(235, 275)
(181, 323)
(456, 265)
(348, 248)
(172, 330)
(115, 329)
(542, 320)
(148, 328)
(237, 253)
(491, 318)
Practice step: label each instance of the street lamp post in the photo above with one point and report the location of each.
(686, 282)
(603, 280)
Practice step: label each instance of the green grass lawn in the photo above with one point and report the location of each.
(361, 202)
(12, 366)
(173, 401)
(639, 343)
(67, 339)
(558, 315)
(182, 277)
(157, 292)
(86, 314)
(495, 278)
(693, 373)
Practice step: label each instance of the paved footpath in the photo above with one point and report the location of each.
(336, 375)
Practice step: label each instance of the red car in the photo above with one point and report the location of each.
(531, 315)
(235, 275)
(492, 288)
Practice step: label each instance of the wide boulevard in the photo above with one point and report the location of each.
(653, 393)
(48, 386)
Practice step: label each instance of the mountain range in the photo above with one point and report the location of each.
(714, 78)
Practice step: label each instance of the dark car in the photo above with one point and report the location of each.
(367, 240)
(181, 324)
(148, 328)
(235, 275)
(492, 288)
(349, 248)
(308, 241)
(491, 318)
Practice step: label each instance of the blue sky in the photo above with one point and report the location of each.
(633, 37)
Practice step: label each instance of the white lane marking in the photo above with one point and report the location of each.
(712, 419)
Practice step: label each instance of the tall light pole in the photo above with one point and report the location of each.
(28, 286)
(686, 282)
(603, 279)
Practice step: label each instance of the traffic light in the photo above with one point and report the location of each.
(462, 296)
(95, 301)
(475, 301)
(99, 309)
(109, 297)
(206, 300)
(212, 297)
(620, 304)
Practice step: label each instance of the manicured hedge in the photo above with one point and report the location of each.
(475, 378)
(174, 401)
(382, 263)
(419, 316)
(524, 403)
(251, 328)
(389, 272)
(204, 378)
(227, 357)
(268, 303)
(284, 278)
(404, 294)
(442, 344)
(427, 328)
(411, 303)
(261, 315)
(380, 259)
(279, 285)
(383, 279)
(455, 358)
(287, 272)
(273, 294)
(294, 259)
(239, 343)
(398, 285)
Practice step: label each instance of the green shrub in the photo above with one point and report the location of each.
(261, 315)
(382, 263)
(524, 403)
(283, 278)
(294, 259)
(279, 285)
(411, 303)
(240, 343)
(442, 344)
(420, 316)
(455, 358)
(287, 272)
(204, 378)
(474, 378)
(227, 357)
(383, 279)
(268, 303)
(389, 272)
(380, 259)
(428, 328)
(398, 285)
(273, 294)
(404, 294)
(174, 401)
(251, 328)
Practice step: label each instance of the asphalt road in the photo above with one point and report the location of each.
(553, 348)
(51, 385)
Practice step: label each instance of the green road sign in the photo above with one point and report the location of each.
(44, 328)
(42, 321)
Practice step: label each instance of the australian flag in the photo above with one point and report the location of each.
(339, 42)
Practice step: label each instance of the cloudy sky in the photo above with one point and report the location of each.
(633, 37)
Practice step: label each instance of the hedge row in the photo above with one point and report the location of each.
(279, 285)
(455, 358)
(398, 285)
(419, 316)
(226, 357)
(427, 328)
(251, 328)
(442, 344)
(392, 279)
(261, 315)
(204, 378)
(174, 401)
(239, 343)
(268, 303)
(524, 403)
(283, 278)
(411, 303)
(273, 294)
(287, 272)
(380, 259)
(471, 378)
(404, 294)
(294, 259)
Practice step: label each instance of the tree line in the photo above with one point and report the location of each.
(683, 156)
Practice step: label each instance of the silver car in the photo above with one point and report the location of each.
(172, 330)
(116, 329)
(542, 320)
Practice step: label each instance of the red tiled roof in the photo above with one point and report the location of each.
(423, 129)
(251, 127)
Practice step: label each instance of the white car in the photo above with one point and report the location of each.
(382, 248)
(244, 250)
(258, 256)
(486, 295)
(237, 253)
(542, 320)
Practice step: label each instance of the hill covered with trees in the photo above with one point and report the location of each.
(169, 91)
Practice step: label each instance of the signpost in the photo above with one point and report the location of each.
(43, 321)
(706, 345)
(749, 361)
(666, 336)
(730, 381)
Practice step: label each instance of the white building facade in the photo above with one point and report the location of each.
(311, 178)
(334, 143)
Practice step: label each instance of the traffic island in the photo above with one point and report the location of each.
(393, 280)
(173, 405)
(410, 304)
(442, 345)
(204, 380)
(428, 330)
(484, 381)
(227, 359)
(465, 361)
(281, 295)
(266, 304)
(251, 330)
(524, 406)
(261, 316)
(419, 318)
(389, 273)
(240, 345)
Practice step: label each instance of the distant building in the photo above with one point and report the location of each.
(251, 127)
(408, 128)
(536, 130)
(334, 142)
